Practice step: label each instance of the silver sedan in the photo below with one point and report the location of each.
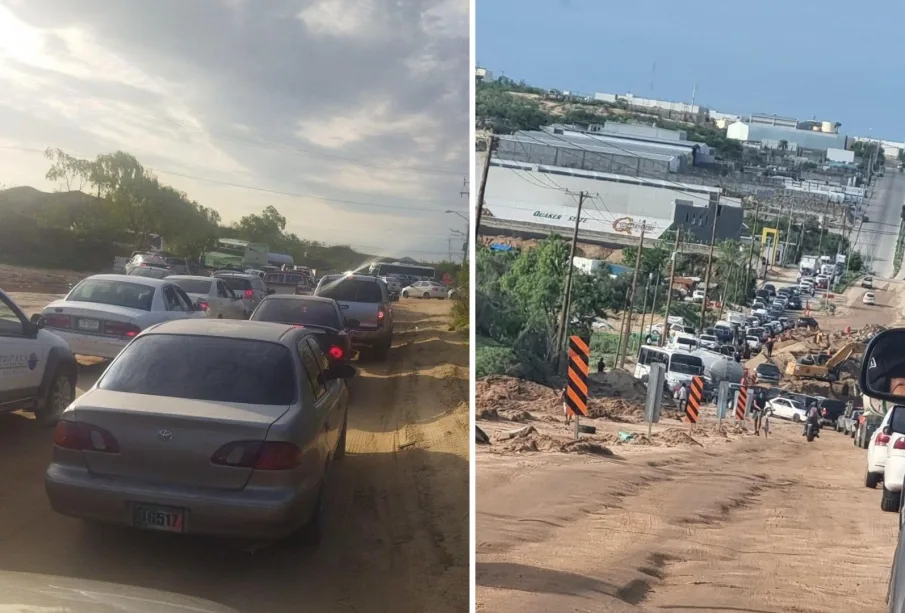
(218, 427)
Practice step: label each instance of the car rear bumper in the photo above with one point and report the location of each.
(249, 513)
(91, 345)
(894, 472)
(369, 338)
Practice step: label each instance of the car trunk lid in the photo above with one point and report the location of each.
(171, 440)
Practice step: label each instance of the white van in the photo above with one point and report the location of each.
(684, 341)
(681, 366)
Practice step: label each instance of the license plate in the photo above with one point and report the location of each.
(151, 517)
(92, 325)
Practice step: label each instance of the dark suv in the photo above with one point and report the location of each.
(366, 301)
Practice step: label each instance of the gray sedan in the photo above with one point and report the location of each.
(218, 427)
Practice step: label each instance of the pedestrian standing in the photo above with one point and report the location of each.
(565, 405)
(770, 347)
(600, 365)
(682, 397)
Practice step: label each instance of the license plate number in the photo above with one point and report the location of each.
(92, 325)
(166, 519)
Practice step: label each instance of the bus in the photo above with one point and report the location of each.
(401, 269)
(231, 252)
(680, 365)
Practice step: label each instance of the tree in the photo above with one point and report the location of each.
(783, 145)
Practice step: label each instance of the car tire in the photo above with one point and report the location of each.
(309, 533)
(796, 419)
(889, 502)
(872, 480)
(405, 294)
(381, 351)
(340, 452)
(60, 394)
(426, 296)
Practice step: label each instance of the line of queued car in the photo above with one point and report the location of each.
(225, 404)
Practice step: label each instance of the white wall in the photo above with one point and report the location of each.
(840, 155)
(737, 131)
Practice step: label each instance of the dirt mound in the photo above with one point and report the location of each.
(675, 437)
(617, 383)
(616, 409)
(529, 440)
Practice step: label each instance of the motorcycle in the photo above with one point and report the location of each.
(812, 431)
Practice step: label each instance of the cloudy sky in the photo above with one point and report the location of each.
(349, 116)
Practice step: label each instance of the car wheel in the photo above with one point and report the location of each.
(426, 296)
(381, 351)
(59, 395)
(405, 294)
(889, 502)
(796, 419)
(340, 452)
(309, 534)
(871, 480)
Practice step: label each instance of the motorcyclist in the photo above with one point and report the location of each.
(813, 418)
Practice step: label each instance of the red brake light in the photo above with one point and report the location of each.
(381, 313)
(58, 321)
(336, 352)
(84, 437)
(899, 444)
(249, 294)
(882, 439)
(115, 328)
(260, 455)
(203, 305)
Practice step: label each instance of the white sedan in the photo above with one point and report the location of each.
(426, 290)
(876, 454)
(103, 313)
(869, 298)
(708, 341)
(786, 408)
(212, 295)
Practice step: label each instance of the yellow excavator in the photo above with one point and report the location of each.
(827, 369)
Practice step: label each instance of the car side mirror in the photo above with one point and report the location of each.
(338, 371)
(353, 322)
(37, 320)
(343, 307)
(887, 430)
(883, 367)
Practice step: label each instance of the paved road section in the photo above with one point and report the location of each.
(396, 523)
(877, 238)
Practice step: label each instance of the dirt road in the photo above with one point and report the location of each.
(751, 525)
(396, 523)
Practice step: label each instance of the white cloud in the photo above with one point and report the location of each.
(343, 105)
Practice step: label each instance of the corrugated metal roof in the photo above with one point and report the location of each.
(805, 139)
(598, 145)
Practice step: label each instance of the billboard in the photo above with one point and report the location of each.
(592, 219)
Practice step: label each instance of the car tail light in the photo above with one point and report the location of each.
(249, 294)
(336, 352)
(260, 455)
(58, 321)
(202, 305)
(115, 328)
(381, 313)
(882, 439)
(899, 444)
(84, 437)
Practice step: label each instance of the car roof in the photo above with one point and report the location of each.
(300, 298)
(150, 281)
(230, 273)
(189, 278)
(229, 328)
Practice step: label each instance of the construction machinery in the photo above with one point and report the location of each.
(822, 367)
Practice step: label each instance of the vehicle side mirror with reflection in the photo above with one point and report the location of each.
(338, 371)
(37, 320)
(883, 367)
(887, 430)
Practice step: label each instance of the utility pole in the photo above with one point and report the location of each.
(567, 295)
(477, 228)
(644, 305)
(751, 250)
(627, 331)
(716, 215)
(785, 248)
(826, 214)
(672, 277)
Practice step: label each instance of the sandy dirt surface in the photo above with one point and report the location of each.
(396, 521)
(735, 523)
(35, 280)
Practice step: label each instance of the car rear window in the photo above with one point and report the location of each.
(297, 311)
(149, 271)
(193, 286)
(352, 290)
(115, 293)
(768, 369)
(237, 283)
(215, 369)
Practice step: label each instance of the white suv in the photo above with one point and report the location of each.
(425, 289)
(38, 372)
(876, 455)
